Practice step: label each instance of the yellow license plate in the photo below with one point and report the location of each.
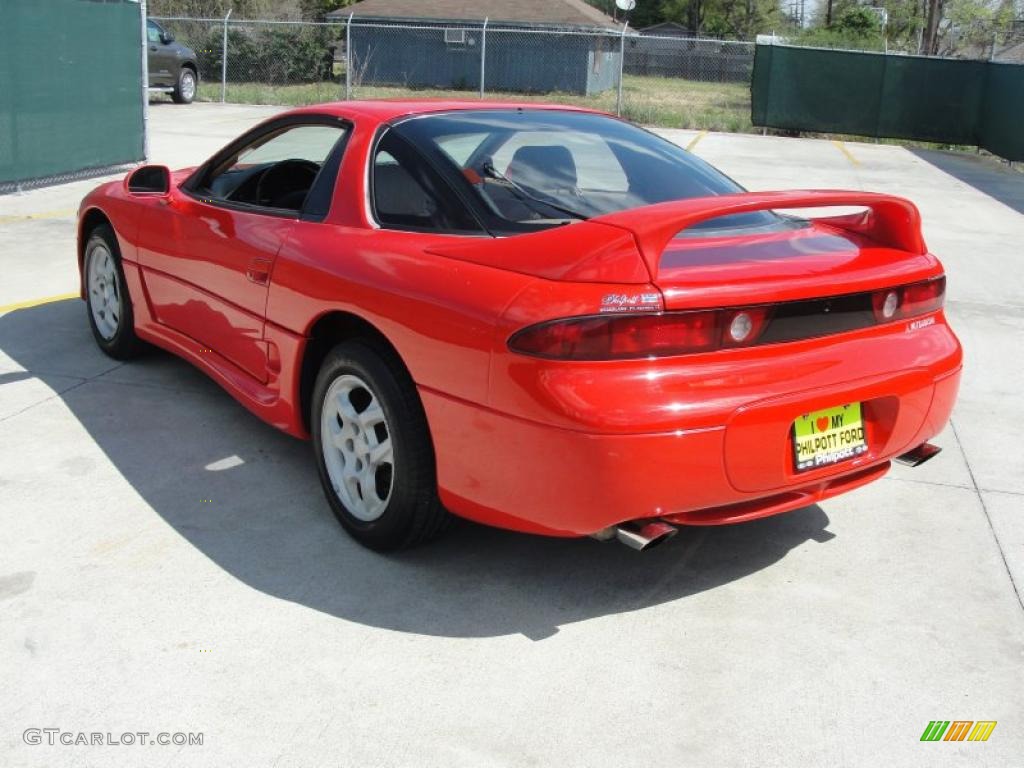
(825, 437)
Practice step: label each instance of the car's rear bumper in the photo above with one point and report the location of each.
(545, 478)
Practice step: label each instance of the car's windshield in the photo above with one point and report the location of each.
(546, 167)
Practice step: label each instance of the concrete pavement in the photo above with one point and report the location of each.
(169, 563)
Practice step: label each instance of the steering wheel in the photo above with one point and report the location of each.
(281, 184)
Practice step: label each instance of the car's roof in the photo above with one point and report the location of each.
(384, 110)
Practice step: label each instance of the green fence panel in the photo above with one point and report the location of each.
(930, 99)
(811, 89)
(1002, 122)
(70, 87)
(761, 84)
(952, 101)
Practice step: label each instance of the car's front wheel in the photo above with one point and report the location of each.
(373, 448)
(185, 88)
(109, 305)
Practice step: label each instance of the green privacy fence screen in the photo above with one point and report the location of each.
(952, 101)
(1002, 114)
(70, 87)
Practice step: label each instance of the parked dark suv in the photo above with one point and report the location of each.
(172, 66)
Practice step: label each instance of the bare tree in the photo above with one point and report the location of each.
(933, 16)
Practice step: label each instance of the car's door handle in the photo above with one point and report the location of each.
(152, 48)
(259, 271)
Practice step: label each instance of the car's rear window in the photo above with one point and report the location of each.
(545, 167)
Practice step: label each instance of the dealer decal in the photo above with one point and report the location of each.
(828, 436)
(630, 302)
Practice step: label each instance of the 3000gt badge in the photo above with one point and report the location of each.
(630, 302)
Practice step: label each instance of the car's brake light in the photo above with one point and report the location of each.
(619, 337)
(636, 335)
(909, 300)
(924, 297)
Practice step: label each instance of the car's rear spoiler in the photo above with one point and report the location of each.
(892, 222)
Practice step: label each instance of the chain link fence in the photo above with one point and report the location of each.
(264, 62)
(670, 81)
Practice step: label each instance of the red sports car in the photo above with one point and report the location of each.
(541, 318)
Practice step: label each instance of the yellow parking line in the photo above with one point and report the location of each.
(65, 213)
(849, 155)
(37, 302)
(695, 140)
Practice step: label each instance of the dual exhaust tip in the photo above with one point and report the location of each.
(642, 535)
(919, 455)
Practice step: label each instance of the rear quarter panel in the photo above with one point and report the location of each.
(438, 313)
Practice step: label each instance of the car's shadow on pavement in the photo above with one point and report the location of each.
(248, 498)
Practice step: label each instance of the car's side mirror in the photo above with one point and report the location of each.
(166, 38)
(150, 180)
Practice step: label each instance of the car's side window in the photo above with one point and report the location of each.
(408, 194)
(152, 32)
(290, 169)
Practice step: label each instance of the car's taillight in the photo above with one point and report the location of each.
(625, 336)
(637, 335)
(924, 297)
(909, 300)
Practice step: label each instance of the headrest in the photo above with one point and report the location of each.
(543, 167)
(397, 193)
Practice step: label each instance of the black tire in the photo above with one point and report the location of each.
(123, 344)
(186, 87)
(413, 513)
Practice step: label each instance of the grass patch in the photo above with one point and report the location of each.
(660, 101)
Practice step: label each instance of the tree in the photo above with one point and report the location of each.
(972, 25)
(314, 10)
(853, 26)
(213, 9)
(724, 18)
(931, 27)
(930, 38)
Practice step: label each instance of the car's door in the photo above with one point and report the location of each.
(162, 60)
(208, 254)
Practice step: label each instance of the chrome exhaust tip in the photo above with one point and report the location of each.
(642, 536)
(919, 455)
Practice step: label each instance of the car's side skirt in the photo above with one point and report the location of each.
(275, 402)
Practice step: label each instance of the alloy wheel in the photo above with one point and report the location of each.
(104, 291)
(357, 449)
(188, 85)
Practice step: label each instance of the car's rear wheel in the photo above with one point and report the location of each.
(373, 448)
(185, 88)
(109, 305)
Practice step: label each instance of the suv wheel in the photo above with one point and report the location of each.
(185, 89)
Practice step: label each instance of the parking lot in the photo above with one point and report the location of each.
(170, 564)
